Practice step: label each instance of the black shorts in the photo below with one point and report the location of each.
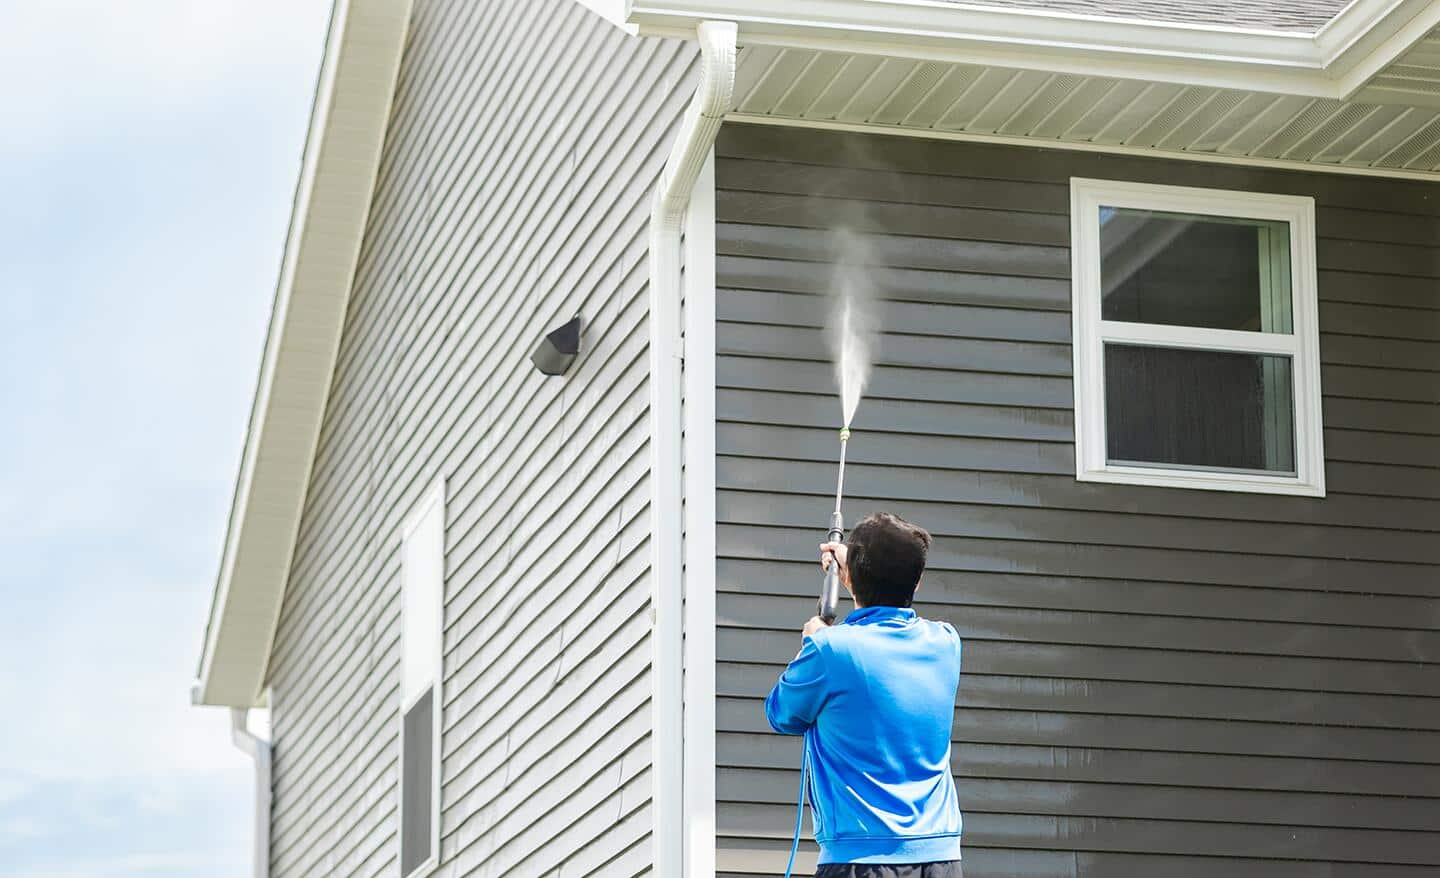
(947, 869)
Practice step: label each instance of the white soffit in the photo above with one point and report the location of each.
(332, 200)
(1044, 108)
(1365, 37)
(1415, 78)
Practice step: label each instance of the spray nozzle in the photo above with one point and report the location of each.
(844, 434)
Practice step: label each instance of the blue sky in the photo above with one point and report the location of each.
(148, 155)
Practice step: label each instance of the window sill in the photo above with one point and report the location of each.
(1247, 483)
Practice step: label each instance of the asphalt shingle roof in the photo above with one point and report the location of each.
(1304, 16)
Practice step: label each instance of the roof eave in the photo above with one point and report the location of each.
(1334, 62)
(337, 180)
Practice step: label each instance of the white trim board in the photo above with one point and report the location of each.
(1037, 143)
(700, 523)
(1334, 62)
(689, 154)
(1091, 332)
(613, 11)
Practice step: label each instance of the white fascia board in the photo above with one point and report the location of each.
(327, 225)
(1364, 38)
(614, 11)
(1331, 63)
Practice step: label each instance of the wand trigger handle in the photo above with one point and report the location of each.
(829, 601)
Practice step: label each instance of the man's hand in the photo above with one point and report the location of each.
(832, 552)
(815, 624)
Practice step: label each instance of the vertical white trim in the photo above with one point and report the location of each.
(699, 455)
(1091, 332)
(688, 155)
(666, 502)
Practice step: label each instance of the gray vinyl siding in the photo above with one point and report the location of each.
(513, 193)
(1156, 681)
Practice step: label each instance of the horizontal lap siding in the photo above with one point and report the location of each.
(513, 194)
(1157, 682)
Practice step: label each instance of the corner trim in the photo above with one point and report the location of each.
(673, 191)
(700, 572)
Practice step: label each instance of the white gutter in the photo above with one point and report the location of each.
(688, 155)
(258, 749)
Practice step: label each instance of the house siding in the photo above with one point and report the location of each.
(513, 193)
(1156, 681)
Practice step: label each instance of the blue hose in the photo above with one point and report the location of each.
(800, 802)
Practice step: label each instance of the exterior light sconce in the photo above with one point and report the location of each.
(559, 347)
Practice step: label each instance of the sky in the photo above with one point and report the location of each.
(148, 157)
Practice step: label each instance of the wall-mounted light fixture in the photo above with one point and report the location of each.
(557, 349)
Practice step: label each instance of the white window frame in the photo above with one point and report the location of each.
(1091, 332)
(430, 501)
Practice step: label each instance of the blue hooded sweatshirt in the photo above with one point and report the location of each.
(875, 698)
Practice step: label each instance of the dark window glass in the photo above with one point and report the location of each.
(416, 795)
(1207, 409)
(1186, 270)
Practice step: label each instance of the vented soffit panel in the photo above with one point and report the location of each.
(1384, 130)
(1167, 40)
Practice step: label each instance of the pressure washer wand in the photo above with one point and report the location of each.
(830, 586)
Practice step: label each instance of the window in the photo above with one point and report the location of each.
(1196, 346)
(422, 608)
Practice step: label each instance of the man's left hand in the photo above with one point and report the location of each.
(815, 624)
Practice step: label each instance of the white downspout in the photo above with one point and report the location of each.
(258, 749)
(667, 219)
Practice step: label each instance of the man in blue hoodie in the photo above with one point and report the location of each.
(874, 696)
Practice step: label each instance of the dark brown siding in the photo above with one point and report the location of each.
(1156, 681)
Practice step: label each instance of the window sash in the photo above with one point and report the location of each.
(1289, 264)
(425, 717)
(1232, 340)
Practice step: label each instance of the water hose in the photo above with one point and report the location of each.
(800, 802)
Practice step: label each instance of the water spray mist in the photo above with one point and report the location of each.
(852, 339)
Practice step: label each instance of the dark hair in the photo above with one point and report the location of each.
(886, 555)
